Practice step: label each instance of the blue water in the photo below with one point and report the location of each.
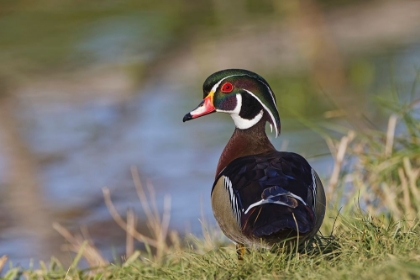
(93, 144)
(96, 143)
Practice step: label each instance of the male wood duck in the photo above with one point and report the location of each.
(260, 197)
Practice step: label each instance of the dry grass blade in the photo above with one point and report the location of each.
(338, 161)
(141, 194)
(90, 253)
(413, 177)
(208, 240)
(83, 246)
(131, 226)
(386, 170)
(3, 261)
(392, 123)
(157, 224)
(117, 218)
(391, 200)
(406, 195)
(162, 230)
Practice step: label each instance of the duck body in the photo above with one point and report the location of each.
(267, 198)
(260, 197)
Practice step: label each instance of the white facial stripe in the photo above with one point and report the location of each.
(242, 123)
(268, 87)
(271, 93)
(214, 88)
(268, 111)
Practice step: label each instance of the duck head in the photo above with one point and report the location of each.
(244, 95)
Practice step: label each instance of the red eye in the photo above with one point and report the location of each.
(226, 87)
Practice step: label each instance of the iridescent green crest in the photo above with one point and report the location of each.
(243, 82)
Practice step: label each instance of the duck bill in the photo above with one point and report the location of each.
(204, 108)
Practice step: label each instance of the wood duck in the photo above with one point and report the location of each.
(260, 197)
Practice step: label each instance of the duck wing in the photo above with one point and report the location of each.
(272, 193)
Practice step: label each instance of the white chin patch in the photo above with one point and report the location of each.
(242, 123)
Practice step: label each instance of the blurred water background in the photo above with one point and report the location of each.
(90, 88)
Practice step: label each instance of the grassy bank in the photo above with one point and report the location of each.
(362, 247)
(377, 171)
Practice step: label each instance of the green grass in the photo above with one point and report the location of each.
(362, 247)
(382, 241)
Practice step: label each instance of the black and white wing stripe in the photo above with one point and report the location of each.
(233, 200)
(314, 180)
(272, 178)
(276, 198)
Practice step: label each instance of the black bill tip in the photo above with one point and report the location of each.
(187, 117)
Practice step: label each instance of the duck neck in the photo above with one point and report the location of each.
(245, 142)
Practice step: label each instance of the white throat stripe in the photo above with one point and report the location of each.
(242, 123)
(268, 111)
